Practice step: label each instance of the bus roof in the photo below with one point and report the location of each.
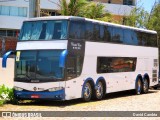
(92, 20)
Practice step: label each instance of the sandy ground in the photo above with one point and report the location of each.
(121, 101)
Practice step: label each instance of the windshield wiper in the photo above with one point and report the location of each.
(26, 76)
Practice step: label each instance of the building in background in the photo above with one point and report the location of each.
(118, 8)
(14, 12)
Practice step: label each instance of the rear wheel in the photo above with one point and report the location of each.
(87, 92)
(99, 91)
(145, 86)
(138, 87)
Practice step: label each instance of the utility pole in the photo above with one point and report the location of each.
(37, 8)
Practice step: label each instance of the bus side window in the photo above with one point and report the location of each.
(74, 67)
(107, 33)
(96, 32)
(77, 30)
(101, 33)
(57, 31)
(89, 31)
(117, 35)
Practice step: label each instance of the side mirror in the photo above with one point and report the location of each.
(5, 56)
(63, 58)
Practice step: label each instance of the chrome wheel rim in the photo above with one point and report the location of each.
(145, 85)
(99, 89)
(139, 87)
(87, 91)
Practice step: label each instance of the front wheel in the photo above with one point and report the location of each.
(145, 86)
(99, 91)
(138, 89)
(87, 92)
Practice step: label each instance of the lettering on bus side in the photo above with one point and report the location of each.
(76, 47)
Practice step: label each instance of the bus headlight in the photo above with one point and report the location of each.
(18, 88)
(55, 89)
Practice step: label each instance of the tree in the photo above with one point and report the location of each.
(154, 20)
(94, 10)
(83, 8)
(71, 8)
(137, 18)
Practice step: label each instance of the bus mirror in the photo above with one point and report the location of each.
(5, 56)
(63, 58)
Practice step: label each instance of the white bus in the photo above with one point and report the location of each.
(66, 57)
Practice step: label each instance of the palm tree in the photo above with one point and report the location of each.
(83, 8)
(97, 11)
(71, 7)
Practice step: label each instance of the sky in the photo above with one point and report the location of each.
(147, 4)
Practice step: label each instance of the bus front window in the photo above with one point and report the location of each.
(44, 30)
(39, 65)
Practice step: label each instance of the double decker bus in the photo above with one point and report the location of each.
(66, 57)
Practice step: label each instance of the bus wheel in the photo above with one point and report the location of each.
(99, 91)
(138, 87)
(87, 92)
(145, 86)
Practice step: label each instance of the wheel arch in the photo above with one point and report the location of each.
(91, 81)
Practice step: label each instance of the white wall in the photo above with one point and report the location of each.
(49, 4)
(7, 74)
(117, 9)
(11, 22)
(18, 3)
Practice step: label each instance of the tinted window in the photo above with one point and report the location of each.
(89, 31)
(130, 37)
(117, 35)
(147, 39)
(108, 33)
(115, 64)
(77, 30)
(96, 31)
(44, 30)
(153, 40)
(102, 33)
(74, 66)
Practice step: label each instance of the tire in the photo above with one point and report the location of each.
(87, 92)
(155, 87)
(138, 89)
(99, 92)
(145, 86)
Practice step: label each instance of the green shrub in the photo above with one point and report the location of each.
(6, 95)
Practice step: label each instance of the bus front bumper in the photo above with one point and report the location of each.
(32, 95)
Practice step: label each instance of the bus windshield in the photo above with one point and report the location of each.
(44, 30)
(38, 65)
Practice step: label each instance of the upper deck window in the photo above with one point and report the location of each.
(44, 30)
(77, 30)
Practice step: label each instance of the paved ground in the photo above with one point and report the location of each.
(122, 101)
